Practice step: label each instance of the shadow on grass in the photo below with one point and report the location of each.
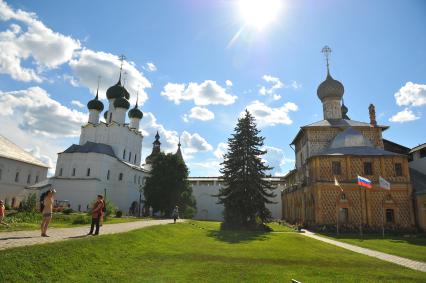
(14, 238)
(235, 237)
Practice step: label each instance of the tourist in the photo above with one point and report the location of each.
(2, 213)
(97, 214)
(175, 213)
(46, 207)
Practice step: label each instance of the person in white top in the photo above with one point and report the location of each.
(47, 211)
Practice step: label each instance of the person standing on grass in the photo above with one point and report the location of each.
(2, 213)
(46, 207)
(175, 213)
(97, 214)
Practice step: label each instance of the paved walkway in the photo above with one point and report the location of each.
(26, 238)
(416, 265)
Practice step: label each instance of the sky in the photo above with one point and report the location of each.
(197, 65)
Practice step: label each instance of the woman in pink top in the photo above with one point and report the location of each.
(47, 211)
(2, 213)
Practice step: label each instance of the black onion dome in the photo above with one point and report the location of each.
(330, 88)
(95, 104)
(121, 102)
(135, 113)
(117, 91)
(106, 115)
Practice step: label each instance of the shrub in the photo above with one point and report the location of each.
(68, 211)
(28, 204)
(81, 219)
(118, 214)
(189, 212)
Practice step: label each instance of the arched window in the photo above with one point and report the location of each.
(130, 155)
(36, 179)
(135, 159)
(124, 154)
(108, 175)
(88, 172)
(110, 117)
(17, 177)
(60, 172)
(29, 178)
(73, 171)
(120, 177)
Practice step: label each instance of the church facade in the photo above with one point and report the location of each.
(107, 159)
(330, 155)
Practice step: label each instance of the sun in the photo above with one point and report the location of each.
(259, 13)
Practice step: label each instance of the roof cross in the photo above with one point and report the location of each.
(327, 51)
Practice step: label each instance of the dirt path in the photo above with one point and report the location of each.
(26, 238)
(416, 265)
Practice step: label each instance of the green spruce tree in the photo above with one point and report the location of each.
(245, 191)
(168, 186)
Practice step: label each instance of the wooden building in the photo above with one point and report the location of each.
(338, 148)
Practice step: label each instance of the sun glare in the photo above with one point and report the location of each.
(259, 13)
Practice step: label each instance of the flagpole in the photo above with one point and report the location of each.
(383, 217)
(338, 214)
(360, 203)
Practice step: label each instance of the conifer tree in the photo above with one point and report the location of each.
(168, 186)
(245, 191)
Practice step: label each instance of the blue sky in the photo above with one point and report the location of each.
(54, 51)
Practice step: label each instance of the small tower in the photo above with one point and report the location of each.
(344, 111)
(135, 116)
(372, 112)
(95, 107)
(179, 151)
(330, 92)
(156, 149)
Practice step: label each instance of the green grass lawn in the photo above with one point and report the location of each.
(32, 221)
(196, 252)
(409, 247)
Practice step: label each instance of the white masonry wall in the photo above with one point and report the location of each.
(204, 190)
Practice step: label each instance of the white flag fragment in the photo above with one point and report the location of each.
(336, 183)
(383, 183)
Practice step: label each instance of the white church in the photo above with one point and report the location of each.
(107, 159)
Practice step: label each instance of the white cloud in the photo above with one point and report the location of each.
(221, 150)
(77, 103)
(275, 158)
(411, 95)
(150, 67)
(295, 85)
(88, 65)
(206, 168)
(47, 49)
(191, 143)
(269, 116)
(207, 93)
(403, 116)
(273, 85)
(199, 113)
(228, 83)
(37, 113)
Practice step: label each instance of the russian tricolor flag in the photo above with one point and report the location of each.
(364, 182)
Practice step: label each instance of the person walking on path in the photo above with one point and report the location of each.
(46, 207)
(175, 214)
(2, 213)
(97, 214)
